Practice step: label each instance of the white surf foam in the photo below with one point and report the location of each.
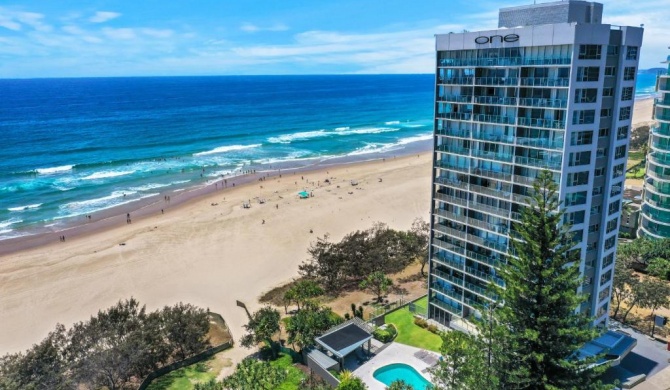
(224, 149)
(9, 222)
(416, 138)
(392, 123)
(28, 207)
(107, 174)
(74, 209)
(50, 171)
(372, 148)
(342, 128)
(368, 130)
(303, 135)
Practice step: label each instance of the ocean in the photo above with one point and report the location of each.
(77, 147)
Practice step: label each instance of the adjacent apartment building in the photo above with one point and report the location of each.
(552, 88)
(655, 221)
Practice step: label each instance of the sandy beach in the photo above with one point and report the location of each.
(209, 251)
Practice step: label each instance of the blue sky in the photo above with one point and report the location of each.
(69, 38)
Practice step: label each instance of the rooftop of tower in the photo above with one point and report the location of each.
(569, 11)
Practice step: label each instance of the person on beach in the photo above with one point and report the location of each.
(263, 222)
(162, 212)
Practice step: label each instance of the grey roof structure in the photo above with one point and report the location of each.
(345, 338)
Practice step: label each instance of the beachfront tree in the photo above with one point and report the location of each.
(186, 328)
(540, 297)
(262, 327)
(326, 264)
(462, 364)
(308, 323)
(253, 374)
(400, 385)
(348, 381)
(378, 283)
(303, 291)
(420, 236)
(623, 284)
(42, 367)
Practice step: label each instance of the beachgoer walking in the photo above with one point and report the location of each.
(263, 222)
(162, 212)
(277, 206)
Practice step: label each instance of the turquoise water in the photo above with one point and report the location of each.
(393, 372)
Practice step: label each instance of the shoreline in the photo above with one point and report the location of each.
(116, 216)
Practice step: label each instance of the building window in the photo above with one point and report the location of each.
(631, 53)
(580, 158)
(604, 294)
(581, 138)
(574, 218)
(622, 133)
(609, 259)
(604, 132)
(627, 93)
(595, 210)
(624, 113)
(613, 207)
(589, 52)
(575, 198)
(599, 172)
(612, 50)
(594, 228)
(609, 243)
(578, 178)
(615, 189)
(597, 191)
(618, 171)
(588, 73)
(612, 224)
(607, 92)
(610, 71)
(586, 95)
(605, 112)
(601, 152)
(583, 117)
(629, 73)
(620, 152)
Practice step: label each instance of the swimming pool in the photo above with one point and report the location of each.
(392, 372)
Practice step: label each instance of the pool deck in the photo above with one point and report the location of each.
(394, 353)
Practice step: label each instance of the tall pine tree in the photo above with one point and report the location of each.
(542, 329)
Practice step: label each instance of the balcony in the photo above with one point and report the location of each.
(450, 261)
(492, 192)
(447, 277)
(538, 163)
(448, 246)
(500, 228)
(446, 307)
(455, 80)
(662, 116)
(542, 143)
(493, 261)
(496, 81)
(506, 120)
(492, 174)
(489, 137)
(505, 101)
(449, 293)
(462, 116)
(450, 199)
(455, 98)
(451, 183)
(663, 101)
(489, 209)
(452, 167)
(482, 291)
(542, 123)
(539, 102)
(447, 230)
(461, 133)
(545, 82)
(497, 156)
(659, 216)
(504, 61)
(449, 148)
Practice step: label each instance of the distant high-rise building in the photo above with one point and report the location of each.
(655, 221)
(551, 89)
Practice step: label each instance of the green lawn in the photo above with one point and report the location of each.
(185, 378)
(411, 334)
(294, 377)
(635, 155)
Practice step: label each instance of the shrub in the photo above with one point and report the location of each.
(385, 334)
(420, 322)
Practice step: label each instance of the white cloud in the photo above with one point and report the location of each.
(252, 28)
(157, 33)
(103, 16)
(16, 20)
(9, 23)
(119, 33)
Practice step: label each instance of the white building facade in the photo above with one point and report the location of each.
(510, 103)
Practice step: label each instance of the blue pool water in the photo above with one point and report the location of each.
(392, 372)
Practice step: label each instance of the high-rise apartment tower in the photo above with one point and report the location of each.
(655, 220)
(551, 89)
